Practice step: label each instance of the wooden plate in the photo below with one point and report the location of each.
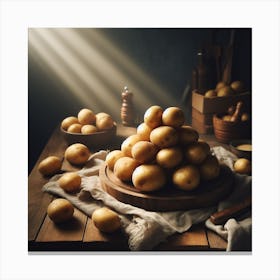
(168, 198)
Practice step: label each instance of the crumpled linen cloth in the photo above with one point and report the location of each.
(146, 229)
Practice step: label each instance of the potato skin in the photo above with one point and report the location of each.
(112, 157)
(153, 116)
(104, 122)
(164, 136)
(169, 157)
(210, 168)
(173, 116)
(187, 135)
(60, 210)
(106, 220)
(128, 143)
(86, 116)
(187, 177)
(124, 168)
(70, 182)
(144, 131)
(88, 129)
(77, 154)
(68, 121)
(148, 177)
(74, 128)
(196, 153)
(144, 151)
(50, 165)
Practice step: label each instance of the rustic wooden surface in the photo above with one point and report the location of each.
(80, 234)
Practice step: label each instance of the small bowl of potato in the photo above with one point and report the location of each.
(88, 128)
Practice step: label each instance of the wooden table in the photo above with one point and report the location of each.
(81, 234)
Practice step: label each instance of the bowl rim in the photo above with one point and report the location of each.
(90, 134)
(234, 143)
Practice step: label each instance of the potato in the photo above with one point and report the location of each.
(68, 121)
(226, 118)
(186, 178)
(128, 143)
(237, 86)
(210, 93)
(243, 166)
(173, 116)
(144, 151)
(88, 129)
(204, 144)
(86, 116)
(77, 154)
(164, 136)
(153, 116)
(210, 168)
(220, 85)
(70, 182)
(169, 157)
(245, 117)
(106, 220)
(225, 91)
(187, 135)
(148, 177)
(74, 128)
(50, 165)
(124, 168)
(144, 131)
(196, 153)
(112, 157)
(60, 210)
(104, 121)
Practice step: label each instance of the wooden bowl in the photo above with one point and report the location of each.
(169, 198)
(98, 139)
(226, 131)
(240, 153)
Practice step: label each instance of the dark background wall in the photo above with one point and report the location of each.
(166, 55)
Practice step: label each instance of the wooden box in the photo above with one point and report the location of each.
(206, 119)
(202, 128)
(219, 104)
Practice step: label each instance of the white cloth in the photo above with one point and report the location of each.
(145, 229)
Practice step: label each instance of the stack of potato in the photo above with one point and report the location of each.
(164, 150)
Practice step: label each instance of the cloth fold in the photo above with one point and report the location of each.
(146, 229)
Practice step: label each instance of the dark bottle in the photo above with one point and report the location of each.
(204, 74)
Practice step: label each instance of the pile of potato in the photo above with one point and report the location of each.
(164, 150)
(87, 122)
(223, 89)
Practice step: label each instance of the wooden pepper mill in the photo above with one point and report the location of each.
(236, 117)
(127, 110)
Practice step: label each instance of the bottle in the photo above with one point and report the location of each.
(127, 109)
(203, 74)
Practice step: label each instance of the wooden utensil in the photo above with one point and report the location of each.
(236, 210)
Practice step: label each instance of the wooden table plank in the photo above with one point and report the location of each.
(116, 240)
(193, 239)
(215, 241)
(37, 200)
(72, 230)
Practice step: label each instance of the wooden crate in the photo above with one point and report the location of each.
(206, 119)
(201, 127)
(219, 104)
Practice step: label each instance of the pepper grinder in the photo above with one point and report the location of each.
(127, 110)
